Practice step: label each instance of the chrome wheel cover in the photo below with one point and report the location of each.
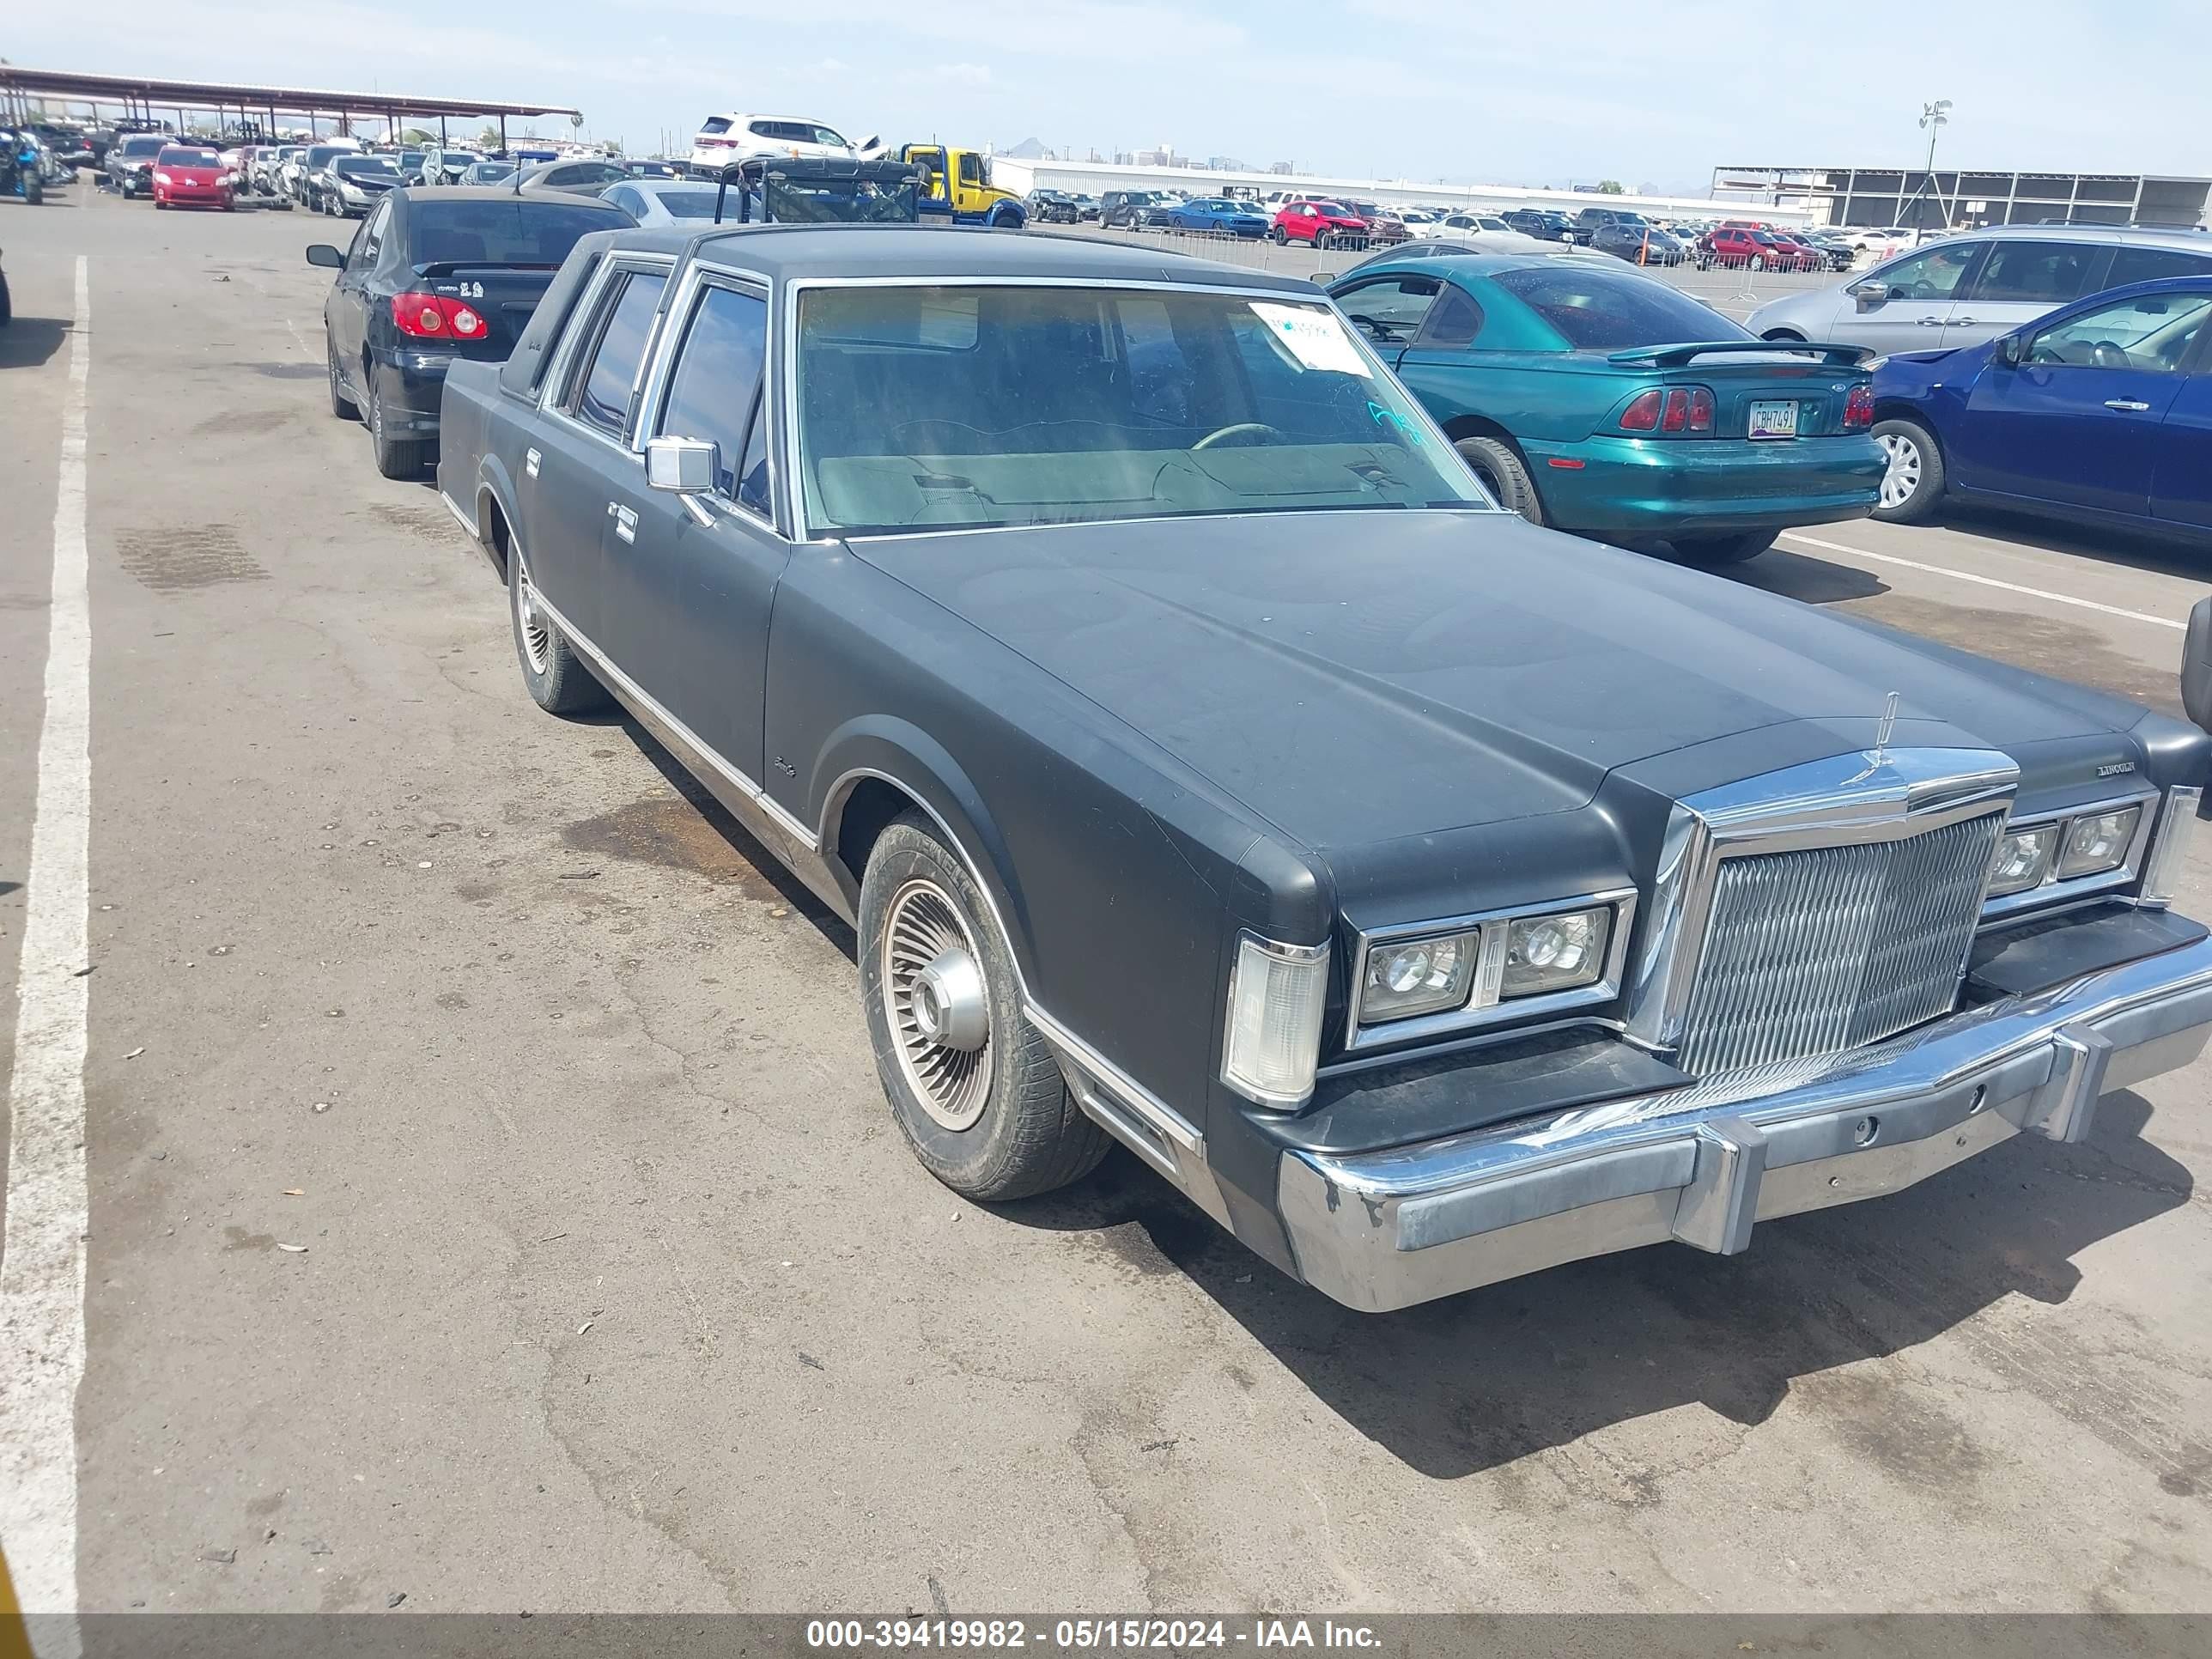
(1902, 478)
(536, 633)
(936, 1003)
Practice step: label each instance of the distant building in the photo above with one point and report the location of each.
(1164, 156)
(1225, 164)
(1914, 197)
(1281, 169)
(1030, 149)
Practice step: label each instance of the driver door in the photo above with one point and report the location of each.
(2077, 422)
(1924, 288)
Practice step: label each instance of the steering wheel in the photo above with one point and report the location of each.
(2105, 354)
(1238, 430)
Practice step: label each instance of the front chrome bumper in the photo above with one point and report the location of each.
(1387, 1230)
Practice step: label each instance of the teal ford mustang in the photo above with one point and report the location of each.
(1593, 399)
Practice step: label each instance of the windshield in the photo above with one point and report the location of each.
(1597, 310)
(144, 146)
(924, 406)
(518, 230)
(360, 166)
(189, 158)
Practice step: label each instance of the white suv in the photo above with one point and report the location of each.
(725, 138)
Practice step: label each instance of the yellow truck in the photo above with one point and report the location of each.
(957, 182)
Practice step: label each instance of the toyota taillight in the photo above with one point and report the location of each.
(434, 317)
(1858, 407)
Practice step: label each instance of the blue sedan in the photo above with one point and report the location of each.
(2100, 412)
(1216, 213)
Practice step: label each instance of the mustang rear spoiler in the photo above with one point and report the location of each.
(1676, 356)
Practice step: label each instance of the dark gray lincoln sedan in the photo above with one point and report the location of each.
(1206, 764)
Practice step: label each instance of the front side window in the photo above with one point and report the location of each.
(716, 380)
(1390, 308)
(1935, 274)
(603, 400)
(1591, 309)
(2152, 332)
(830, 137)
(2034, 273)
(926, 406)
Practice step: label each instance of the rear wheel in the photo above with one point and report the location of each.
(34, 189)
(1713, 552)
(972, 1086)
(396, 458)
(552, 672)
(1504, 474)
(1912, 483)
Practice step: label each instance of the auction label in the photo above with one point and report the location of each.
(1063, 1636)
(1315, 338)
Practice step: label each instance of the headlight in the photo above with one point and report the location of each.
(160, 178)
(2177, 828)
(1272, 1042)
(2099, 842)
(1556, 952)
(1419, 976)
(2023, 860)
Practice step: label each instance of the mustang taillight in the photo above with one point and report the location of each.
(1858, 407)
(434, 317)
(1681, 410)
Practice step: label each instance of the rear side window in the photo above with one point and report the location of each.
(2034, 273)
(715, 124)
(2143, 265)
(515, 232)
(1593, 310)
(603, 399)
(716, 382)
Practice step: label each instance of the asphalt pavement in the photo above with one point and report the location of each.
(491, 1199)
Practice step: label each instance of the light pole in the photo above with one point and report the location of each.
(1933, 116)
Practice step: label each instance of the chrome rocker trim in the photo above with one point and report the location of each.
(1389, 1230)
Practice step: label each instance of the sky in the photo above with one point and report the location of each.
(1648, 91)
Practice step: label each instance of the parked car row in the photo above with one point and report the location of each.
(1431, 898)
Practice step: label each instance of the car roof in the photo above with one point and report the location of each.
(1488, 265)
(505, 192)
(2151, 235)
(954, 253)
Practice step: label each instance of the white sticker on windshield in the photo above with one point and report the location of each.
(1313, 336)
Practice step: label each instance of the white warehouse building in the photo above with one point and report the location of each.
(1095, 178)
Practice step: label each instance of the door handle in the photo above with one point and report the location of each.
(529, 463)
(1967, 322)
(2127, 404)
(1929, 322)
(625, 521)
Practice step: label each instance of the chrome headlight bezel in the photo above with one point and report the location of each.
(1487, 1001)
(2051, 887)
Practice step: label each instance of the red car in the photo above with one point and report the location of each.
(187, 175)
(1322, 223)
(1752, 250)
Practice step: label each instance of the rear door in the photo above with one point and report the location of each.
(354, 291)
(585, 473)
(2019, 281)
(2181, 471)
(2078, 422)
(688, 597)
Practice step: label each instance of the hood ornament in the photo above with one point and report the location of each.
(1878, 757)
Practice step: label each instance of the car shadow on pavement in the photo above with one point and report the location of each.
(1483, 1379)
(29, 341)
(1799, 576)
(2115, 547)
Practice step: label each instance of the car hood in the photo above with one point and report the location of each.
(1358, 675)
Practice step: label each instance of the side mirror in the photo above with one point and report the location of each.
(1871, 294)
(2197, 665)
(2007, 350)
(322, 253)
(686, 466)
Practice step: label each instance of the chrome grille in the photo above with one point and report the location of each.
(1819, 950)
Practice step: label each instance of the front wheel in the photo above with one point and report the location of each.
(1912, 482)
(971, 1083)
(1504, 474)
(1279, 236)
(34, 189)
(1715, 552)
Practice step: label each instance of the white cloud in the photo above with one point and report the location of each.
(964, 74)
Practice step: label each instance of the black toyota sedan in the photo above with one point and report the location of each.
(1205, 762)
(432, 276)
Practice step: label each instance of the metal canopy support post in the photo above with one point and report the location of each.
(502, 135)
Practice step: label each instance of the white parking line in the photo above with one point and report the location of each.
(1986, 581)
(42, 1253)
